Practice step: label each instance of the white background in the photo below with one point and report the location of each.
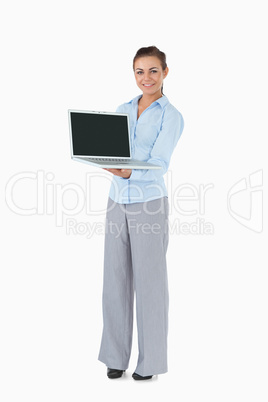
(78, 54)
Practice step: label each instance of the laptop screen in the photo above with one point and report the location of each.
(99, 134)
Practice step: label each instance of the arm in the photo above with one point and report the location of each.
(163, 148)
(161, 152)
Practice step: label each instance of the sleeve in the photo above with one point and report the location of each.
(168, 137)
(120, 109)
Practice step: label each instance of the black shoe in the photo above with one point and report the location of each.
(114, 373)
(139, 377)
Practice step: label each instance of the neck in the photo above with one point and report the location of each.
(149, 99)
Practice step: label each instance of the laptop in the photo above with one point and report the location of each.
(102, 139)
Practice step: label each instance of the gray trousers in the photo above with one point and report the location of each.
(136, 241)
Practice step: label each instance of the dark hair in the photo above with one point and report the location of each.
(151, 51)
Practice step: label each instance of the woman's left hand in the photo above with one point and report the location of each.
(125, 173)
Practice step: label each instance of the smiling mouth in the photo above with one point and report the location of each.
(148, 85)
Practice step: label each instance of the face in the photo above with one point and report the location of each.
(149, 75)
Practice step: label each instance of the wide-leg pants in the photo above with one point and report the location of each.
(136, 241)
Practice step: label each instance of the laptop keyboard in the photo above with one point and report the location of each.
(108, 160)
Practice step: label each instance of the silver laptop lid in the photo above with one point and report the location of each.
(99, 134)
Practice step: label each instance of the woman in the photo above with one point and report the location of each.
(136, 233)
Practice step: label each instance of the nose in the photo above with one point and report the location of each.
(146, 76)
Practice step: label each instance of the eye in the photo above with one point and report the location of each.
(139, 72)
(154, 71)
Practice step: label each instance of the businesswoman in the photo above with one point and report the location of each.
(136, 236)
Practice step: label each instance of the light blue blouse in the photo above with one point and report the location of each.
(153, 138)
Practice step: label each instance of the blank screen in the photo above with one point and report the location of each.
(96, 134)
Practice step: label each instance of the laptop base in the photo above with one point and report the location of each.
(128, 164)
